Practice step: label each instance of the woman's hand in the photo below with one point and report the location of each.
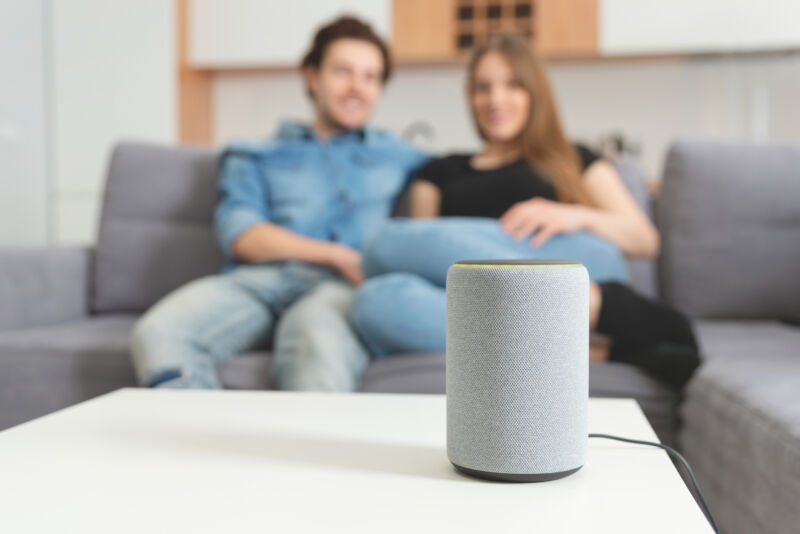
(542, 217)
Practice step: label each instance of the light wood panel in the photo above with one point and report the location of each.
(566, 27)
(423, 29)
(431, 30)
(195, 102)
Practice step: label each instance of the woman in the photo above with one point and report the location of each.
(552, 200)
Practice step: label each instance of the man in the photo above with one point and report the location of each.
(292, 216)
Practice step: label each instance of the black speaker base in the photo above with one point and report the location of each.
(514, 477)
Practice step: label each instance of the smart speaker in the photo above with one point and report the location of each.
(517, 368)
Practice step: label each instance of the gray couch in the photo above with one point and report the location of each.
(730, 221)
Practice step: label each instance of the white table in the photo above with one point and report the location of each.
(225, 461)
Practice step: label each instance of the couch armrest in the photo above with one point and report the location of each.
(42, 286)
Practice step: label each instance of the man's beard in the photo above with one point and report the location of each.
(330, 122)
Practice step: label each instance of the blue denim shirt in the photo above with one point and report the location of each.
(337, 190)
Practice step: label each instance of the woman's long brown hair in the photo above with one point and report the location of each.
(544, 144)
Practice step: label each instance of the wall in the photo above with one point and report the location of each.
(657, 26)
(251, 104)
(79, 75)
(23, 135)
(651, 101)
(113, 77)
(233, 33)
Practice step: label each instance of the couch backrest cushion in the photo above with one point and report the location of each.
(642, 270)
(729, 215)
(156, 225)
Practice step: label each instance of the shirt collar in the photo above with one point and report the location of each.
(298, 131)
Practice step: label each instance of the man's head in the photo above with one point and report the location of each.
(345, 71)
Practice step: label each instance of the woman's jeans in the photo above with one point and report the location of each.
(401, 307)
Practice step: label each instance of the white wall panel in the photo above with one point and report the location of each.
(657, 26)
(230, 33)
(23, 135)
(78, 216)
(114, 77)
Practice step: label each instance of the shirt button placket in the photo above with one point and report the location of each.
(341, 197)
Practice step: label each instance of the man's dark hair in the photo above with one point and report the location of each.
(346, 27)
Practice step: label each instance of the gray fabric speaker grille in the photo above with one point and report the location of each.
(517, 368)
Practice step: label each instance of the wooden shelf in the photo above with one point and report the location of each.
(458, 61)
(461, 60)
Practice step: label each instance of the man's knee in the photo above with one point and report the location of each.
(327, 303)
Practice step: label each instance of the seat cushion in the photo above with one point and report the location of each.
(249, 370)
(48, 368)
(105, 334)
(742, 424)
(414, 373)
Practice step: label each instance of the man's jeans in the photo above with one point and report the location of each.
(187, 336)
(401, 308)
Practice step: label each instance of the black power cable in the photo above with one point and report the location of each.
(675, 454)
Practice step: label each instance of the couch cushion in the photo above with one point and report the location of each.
(48, 368)
(642, 270)
(249, 370)
(41, 286)
(416, 373)
(103, 335)
(406, 373)
(156, 225)
(742, 424)
(730, 222)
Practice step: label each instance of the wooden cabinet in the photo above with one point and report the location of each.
(566, 27)
(444, 30)
(423, 29)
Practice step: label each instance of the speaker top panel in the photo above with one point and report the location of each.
(516, 263)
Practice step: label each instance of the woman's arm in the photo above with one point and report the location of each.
(425, 199)
(613, 215)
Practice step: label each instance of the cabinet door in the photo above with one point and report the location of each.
(424, 30)
(688, 26)
(431, 30)
(566, 27)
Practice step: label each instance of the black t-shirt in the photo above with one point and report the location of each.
(471, 192)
